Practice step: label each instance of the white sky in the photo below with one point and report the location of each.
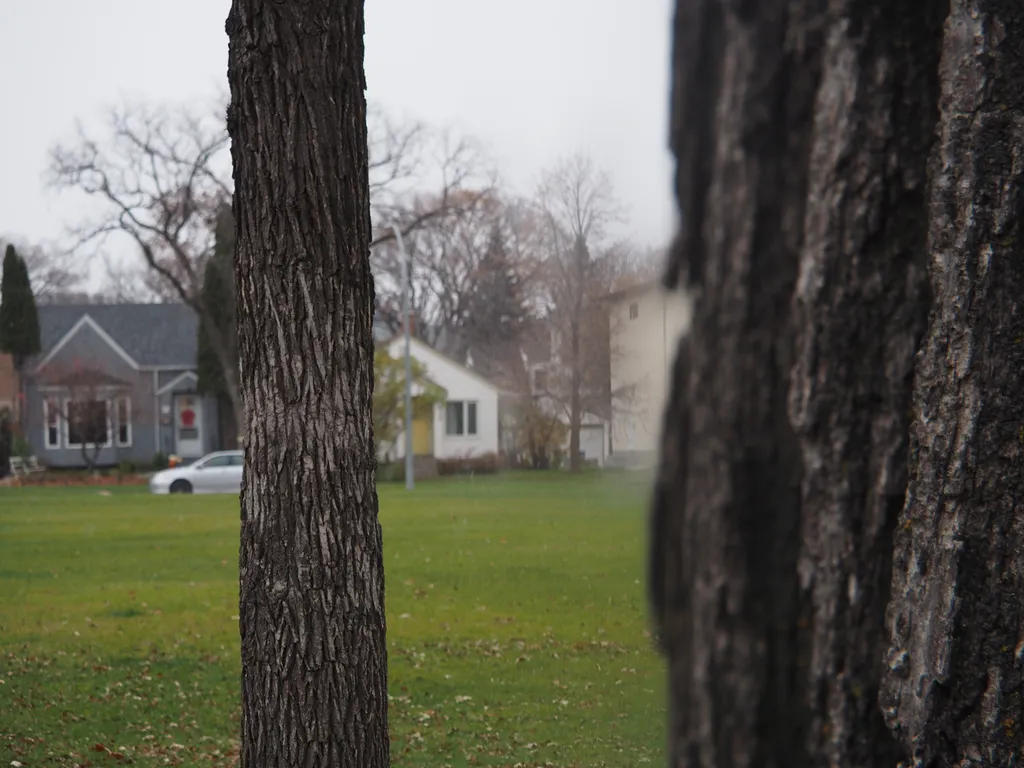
(532, 79)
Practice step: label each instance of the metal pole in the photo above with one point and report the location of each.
(409, 470)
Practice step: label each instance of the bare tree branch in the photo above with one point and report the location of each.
(161, 177)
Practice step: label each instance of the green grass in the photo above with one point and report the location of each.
(516, 626)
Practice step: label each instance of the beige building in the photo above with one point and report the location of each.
(646, 323)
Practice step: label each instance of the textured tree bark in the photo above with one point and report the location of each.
(954, 683)
(726, 519)
(860, 310)
(314, 664)
(803, 132)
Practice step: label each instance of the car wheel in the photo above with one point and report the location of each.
(181, 486)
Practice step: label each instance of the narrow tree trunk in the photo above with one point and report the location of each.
(955, 679)
(802, 133)
(575, 420)
(314, 664)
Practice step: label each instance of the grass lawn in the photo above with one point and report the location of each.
(516, 626)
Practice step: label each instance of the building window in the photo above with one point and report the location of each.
(460, 418)
(634, 311)
(124, 421)
(88, 423)
(51, 418)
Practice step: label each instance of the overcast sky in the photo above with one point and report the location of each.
(532, 79)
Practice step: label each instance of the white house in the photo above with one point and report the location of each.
(646, 323)
(548, 373)
(466, 423)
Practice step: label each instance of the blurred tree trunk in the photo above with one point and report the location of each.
(955, 678)
(314, 663)
(802, 130)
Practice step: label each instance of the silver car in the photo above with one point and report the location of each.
(219, 472)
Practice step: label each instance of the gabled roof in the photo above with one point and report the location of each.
(414, 342)
(634, 289)
(150, 334)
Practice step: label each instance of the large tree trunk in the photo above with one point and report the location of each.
(859, 315)
(802, 133)
(727, 505)
(314, 664)
(955, 678)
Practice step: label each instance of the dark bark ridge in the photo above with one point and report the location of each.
(953, 685)
(725, 517)
(859, 314)
(314, 663)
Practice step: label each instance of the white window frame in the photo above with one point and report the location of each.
(465, 433)
(67, 423)
(46, 424)
(128, 420)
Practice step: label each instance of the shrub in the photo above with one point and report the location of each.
(20, 446)
(487, 464)
(127, 468)
(391, 472)
(160, 461)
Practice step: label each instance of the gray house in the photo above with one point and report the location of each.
(117, 383)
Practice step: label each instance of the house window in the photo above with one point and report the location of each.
(88, 423)
(540, 380)
(124, 421)
(460, 418)
(634, 311)
(51, 418)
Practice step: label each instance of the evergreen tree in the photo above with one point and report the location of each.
(19, 319)
(495, 308)
(218, 293)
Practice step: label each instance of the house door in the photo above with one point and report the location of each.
(188, 426)
(592, 443)
(423, 435)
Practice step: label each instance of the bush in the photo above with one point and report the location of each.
(392, 472)
(160, 461)
(127, 468)
(20, 447)
(487, 464)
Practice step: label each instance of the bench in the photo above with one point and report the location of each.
(20, 466)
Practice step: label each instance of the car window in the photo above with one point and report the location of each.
(217, 461)
(237, 460)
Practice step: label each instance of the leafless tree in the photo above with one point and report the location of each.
(421, 176)
(161, 175)
(161, 172)
(450, 262)
(578, 208)
(88, 409)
